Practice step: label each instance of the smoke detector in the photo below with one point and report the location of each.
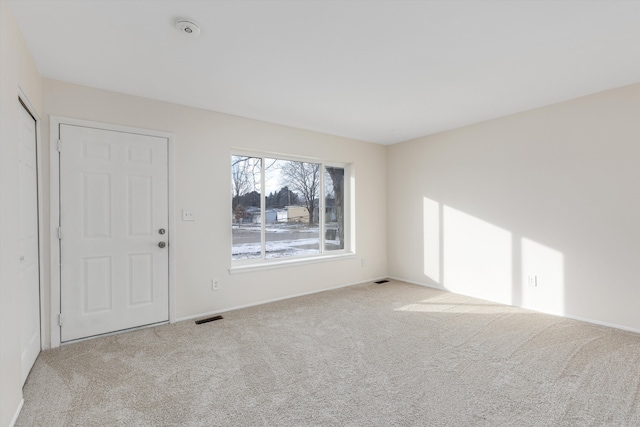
(188, 27)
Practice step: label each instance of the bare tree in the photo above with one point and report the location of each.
(337, 180)
(245, 175)
(304, 179)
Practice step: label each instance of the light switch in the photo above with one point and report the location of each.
(188, 215)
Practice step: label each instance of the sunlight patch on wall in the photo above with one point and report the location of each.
(477, 257)
(542, 277)
(431, 238)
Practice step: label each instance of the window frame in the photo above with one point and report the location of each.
(348, 251)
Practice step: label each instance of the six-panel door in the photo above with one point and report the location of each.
(113, 203)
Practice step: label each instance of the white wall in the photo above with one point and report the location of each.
(553, 193)
(203, 144)
(17, 70)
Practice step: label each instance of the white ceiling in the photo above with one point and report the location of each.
(379, 71)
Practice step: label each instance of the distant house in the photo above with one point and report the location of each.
(282, 215)
(253, 215)
(330, 211)
(271, 215)
(297, 214)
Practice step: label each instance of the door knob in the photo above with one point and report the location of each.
(162, 244)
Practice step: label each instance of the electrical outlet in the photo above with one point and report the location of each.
(215, 284)
(363, 262)
(533, 281)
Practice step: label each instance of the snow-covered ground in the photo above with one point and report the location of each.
(276, 228)
(281, 242)
(277, 249)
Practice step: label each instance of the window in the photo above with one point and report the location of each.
(285, 208)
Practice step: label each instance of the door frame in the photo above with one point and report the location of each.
(54, 126)
(22, 98)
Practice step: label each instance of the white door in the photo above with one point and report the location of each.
(28, 244)
(114, 231)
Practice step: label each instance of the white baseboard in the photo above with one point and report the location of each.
(565, 315)
(600, 323)
(253, 304)
(15, 416)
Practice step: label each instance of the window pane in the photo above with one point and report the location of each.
(334, 208)
(246, 220)
(293, 191)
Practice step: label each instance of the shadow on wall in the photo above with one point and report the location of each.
(467, 255)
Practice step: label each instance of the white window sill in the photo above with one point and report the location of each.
(281, 263)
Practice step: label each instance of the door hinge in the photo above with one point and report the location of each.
(60, 319)
(59, 146)
(59, 232)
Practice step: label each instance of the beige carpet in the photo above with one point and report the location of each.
(368, 355)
